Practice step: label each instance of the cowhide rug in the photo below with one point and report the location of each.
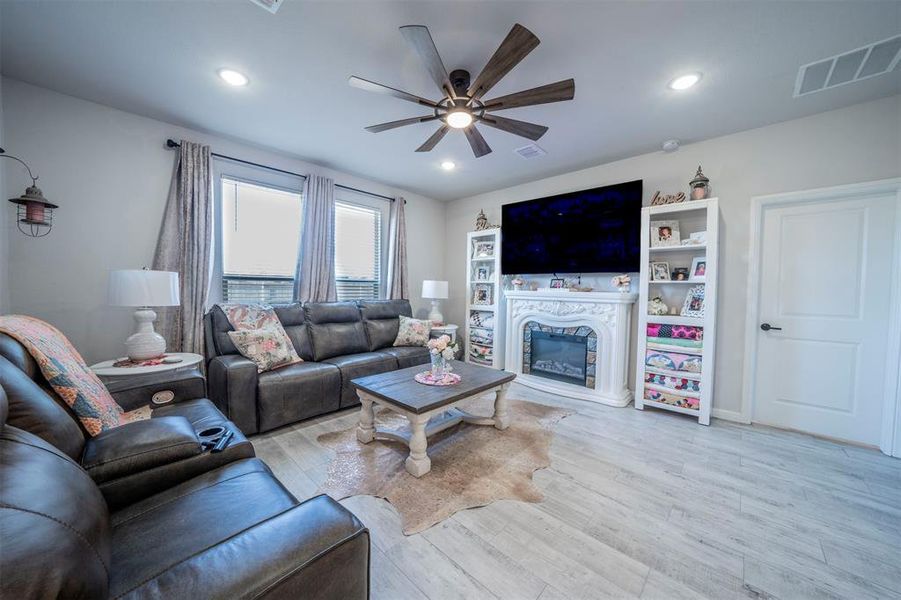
(472, 465)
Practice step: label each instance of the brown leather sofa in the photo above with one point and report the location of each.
(143, 510)
(338, 342)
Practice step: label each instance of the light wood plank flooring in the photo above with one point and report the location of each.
(643, 505)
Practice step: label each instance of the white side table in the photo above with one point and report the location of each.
(449, 330)
(108, 373)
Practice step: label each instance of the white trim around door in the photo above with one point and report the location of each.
(890, 442)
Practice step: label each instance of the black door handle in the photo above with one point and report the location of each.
(768, 327)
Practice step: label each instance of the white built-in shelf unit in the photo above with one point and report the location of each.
(484, 299)
(681, 390)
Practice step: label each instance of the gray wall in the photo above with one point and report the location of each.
(854, 144)
(109, 171)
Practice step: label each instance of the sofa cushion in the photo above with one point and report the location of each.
(221, 327)
(412, 332)
(212, 507)
(336, 329)
(353, 366)
(380, 318)
(296, 392)
(295, 323)
(267, 348)
(408, 356)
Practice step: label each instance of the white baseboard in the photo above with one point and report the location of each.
(729, 415)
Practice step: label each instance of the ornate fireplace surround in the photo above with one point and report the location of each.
(607, 314)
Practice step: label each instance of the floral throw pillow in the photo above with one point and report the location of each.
(413, 332)
(268, 348)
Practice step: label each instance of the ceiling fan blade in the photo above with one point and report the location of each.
(552, 92)
(434, 139)
(371, 86)
(479, 146)
(515, 47)
(420, 40)
(520, 128)
(393, 124)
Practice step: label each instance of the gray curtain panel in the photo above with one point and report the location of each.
(398, 279)
(185, 246)
(314, 279)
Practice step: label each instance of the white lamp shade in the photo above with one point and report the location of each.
(134, 287)
(434, 289)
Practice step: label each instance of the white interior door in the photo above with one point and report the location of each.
(824, 301)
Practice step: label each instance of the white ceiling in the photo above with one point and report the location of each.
(159, 59)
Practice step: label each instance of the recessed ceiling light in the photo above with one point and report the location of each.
(232, 77)
(458, 119)
(683, 82)
(448, 165)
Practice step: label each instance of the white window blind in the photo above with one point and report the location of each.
(358, 251)
(260, 236)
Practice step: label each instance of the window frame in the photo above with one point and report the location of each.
(226, 169)
(363, 200)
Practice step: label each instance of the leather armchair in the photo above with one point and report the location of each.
(232, 532)
(134, 460)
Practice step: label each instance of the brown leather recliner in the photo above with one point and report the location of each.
(132, 461)
(232, 532)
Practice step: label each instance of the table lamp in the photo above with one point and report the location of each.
(144, 288)
(435, 291)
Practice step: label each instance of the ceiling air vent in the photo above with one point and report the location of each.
(531, 151)
(270, 5)
(856, 65)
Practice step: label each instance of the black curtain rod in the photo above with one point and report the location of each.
(170, 143)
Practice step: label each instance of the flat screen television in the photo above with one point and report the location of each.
(591, 231)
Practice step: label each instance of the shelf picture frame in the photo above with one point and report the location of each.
(483, 274)
(665, 234)
(660, 271)
(481, 295)
(483, 249)
(698, 271)
(694, 302)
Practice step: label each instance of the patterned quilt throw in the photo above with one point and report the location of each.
(65, 370)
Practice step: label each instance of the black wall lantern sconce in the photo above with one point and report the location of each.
(34, 214)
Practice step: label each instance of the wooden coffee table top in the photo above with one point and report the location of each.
(399, 387)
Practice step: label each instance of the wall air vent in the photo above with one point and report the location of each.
(856, 65)
(270, 5)
(531, 151)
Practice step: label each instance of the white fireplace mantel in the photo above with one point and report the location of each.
(609, 314)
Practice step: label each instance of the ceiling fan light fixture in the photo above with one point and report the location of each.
(448, 165)
(459, 119)
(683, 82)
(232, 77)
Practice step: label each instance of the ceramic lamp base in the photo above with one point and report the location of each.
(145, 343)
(435, 315)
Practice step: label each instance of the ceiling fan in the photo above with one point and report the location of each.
(462, 105)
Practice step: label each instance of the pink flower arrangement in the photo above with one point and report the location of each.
(442, 345)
